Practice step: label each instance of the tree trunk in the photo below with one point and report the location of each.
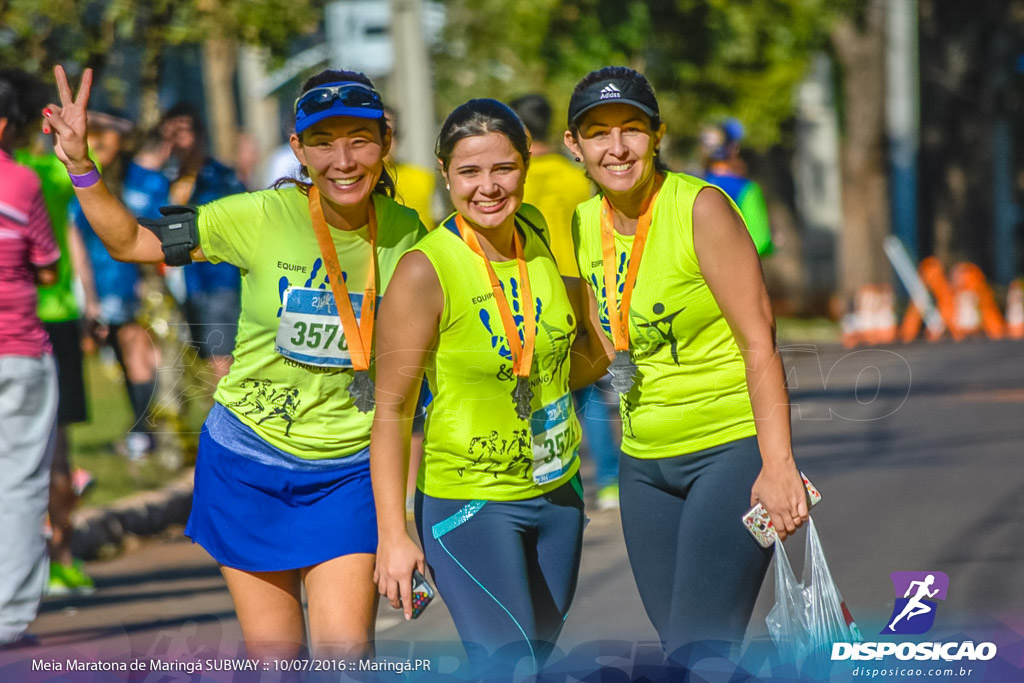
(860, 50)
(219, 59)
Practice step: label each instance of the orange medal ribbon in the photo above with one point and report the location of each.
(522, 352)
(618, 313)
(359, 337)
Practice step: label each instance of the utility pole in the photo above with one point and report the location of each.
(816, 170)
(259, 108)
(902, 117)
(414, 96)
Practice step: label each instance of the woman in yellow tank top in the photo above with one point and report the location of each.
(479, 306)
(689, 329)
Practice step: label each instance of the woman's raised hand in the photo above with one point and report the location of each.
(69, 122)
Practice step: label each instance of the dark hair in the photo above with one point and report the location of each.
(386, 183)
(636, 80)
(21, 99)
(535, 112)
(189, 111)
(481, 117)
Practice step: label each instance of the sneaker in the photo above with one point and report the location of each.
(81, 481)
(608, 497)
(69, 579)
(136, 446)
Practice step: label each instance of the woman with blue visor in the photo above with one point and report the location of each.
(282, 494)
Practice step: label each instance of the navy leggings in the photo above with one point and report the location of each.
(506, 570)
(697, 567)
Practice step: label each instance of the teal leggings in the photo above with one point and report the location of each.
(506, 570)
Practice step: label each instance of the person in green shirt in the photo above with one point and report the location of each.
(689, 330)
(282, 497)
(479, 305)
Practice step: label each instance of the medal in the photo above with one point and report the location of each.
(522, 351)
(522, 394)
(359, 336)
(622, 368)
(623, 372)
(361, 391)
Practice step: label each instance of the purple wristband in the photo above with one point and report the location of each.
(86, 179)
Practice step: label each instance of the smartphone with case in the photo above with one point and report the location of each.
(759, 522)
(422, 593)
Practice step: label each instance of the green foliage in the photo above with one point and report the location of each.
(36, 34)
(706, 58)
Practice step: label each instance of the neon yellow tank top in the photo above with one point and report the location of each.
(475, 447)
(691, 388)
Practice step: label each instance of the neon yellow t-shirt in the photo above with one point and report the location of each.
(556, 187)
(301, 408)
(414, 187)
(691, 389)
(475, 446)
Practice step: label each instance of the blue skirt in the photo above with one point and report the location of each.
(277, 512)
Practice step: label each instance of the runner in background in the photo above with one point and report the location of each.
(556, 186)
(28, 378)
(112, 293)
(212, 296)
(414, 185)
(282, 496)
(58, 309)
(720, 156)
(689, 328)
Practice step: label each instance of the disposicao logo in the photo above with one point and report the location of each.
(914, 610)
(912, 614)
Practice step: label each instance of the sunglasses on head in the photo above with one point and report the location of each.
(352, 95)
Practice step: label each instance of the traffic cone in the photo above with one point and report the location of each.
(968, 319)
(885, 320)
(1015, 310)
(866, 314)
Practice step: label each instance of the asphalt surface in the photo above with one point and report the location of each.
(916, 449)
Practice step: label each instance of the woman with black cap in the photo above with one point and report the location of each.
(282, 495)
(691, 337)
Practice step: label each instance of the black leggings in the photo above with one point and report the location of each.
(697, 567)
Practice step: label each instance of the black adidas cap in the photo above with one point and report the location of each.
(609, 91)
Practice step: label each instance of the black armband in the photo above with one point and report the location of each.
(178, 233)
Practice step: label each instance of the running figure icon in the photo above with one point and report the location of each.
(915, 606)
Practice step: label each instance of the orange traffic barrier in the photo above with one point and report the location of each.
(934, 277)
(1015, 310)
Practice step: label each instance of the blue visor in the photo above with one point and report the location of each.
(337, 99)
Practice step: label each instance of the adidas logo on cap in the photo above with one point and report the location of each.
(609, 91)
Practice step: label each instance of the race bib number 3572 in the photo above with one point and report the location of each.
(310, 331)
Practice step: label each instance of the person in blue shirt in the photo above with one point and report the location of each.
(720, 151)
(112, 297)
(212, 290)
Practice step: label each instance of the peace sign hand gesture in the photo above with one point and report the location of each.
(69, 122)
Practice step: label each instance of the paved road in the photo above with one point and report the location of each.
(917, 451)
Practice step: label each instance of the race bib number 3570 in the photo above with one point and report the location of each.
(310, 331)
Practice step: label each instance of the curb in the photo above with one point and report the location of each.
(140, 514)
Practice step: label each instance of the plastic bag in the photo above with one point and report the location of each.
(809, 615)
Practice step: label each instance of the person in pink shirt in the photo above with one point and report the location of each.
(28, 378)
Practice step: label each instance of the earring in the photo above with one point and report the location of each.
(447, 186)
(578, 159)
